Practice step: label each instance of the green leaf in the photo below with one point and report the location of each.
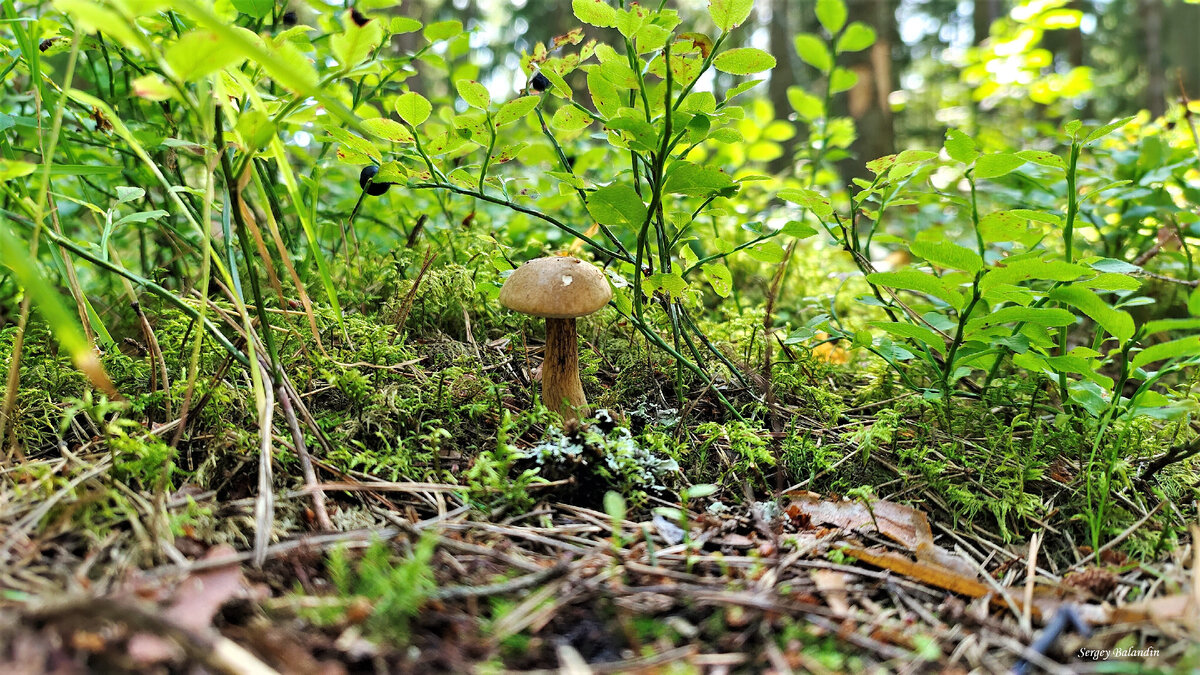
(515, 109)
(718, 276)
(1115, 266)
(256, 129)
(729, 14)
(842, 79)
(768, 251)
(391, 172)
(993, 166)
(616, 205)
(741, 89)
(1039, 316)
(807, 106)
(919, 282)
(14, 168)
(286, 63)
(858, 36)
(1112, 282)
(640, 132)
(1007, 226)
(614, 506)
(1118, 323)
(797, 229)
(352, 46)
(129, 194)
(1090, 395)
(813, 200)
(413, 108)
(1161, 325)
(92, 16)
(142, 216)
(812, 50)
(743, 61)
(831, 14)
(912, 332)
(1193, 303)
(388, 130)
(595, 13)
(1188, 346)
(199, 53)
(651, 38)
(948, 254)
(400, 25)
(475, 94)
(357, 145)
(1043, 158)
(960, 147)
(630, 21)
(1107, 129)
(570, 118)
(1041, 269)
(671, 283)
(442, 30)
(255, 8)
(686, 178)
(558, 85)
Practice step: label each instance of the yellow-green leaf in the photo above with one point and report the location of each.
(413, 108)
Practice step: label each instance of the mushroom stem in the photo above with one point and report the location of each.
(562, 391)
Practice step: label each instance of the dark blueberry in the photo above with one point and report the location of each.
(288, 18)
(539, 83)
(358, 18)
(374, 189)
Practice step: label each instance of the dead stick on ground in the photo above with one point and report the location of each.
(264, 505)
(310, 475)
(1117, 539)
(216, 652)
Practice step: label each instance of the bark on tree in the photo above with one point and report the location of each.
(986, 11)
(867, 102)
(1156, 74)
(783, 75)
(1181, 49)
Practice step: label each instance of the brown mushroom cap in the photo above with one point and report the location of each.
(556, 288)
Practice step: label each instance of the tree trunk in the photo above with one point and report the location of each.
(867, 102)
(782, 77)
(1156, 74)
(986, 11)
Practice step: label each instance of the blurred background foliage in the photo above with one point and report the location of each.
(980, 65)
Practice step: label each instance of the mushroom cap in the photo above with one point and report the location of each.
(556, 288)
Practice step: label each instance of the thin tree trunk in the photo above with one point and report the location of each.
(986, 11)
(867, 102)
(782, 77)
(1156, 74)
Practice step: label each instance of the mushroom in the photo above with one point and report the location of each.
(560, 290)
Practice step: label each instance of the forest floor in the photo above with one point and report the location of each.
(849, 526)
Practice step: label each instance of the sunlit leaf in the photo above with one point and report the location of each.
(813, 51)
(996, 165)
(743, 61)
(831, 14)
(858, 36)
(475, 94)
(413, 108)
(729, 14)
